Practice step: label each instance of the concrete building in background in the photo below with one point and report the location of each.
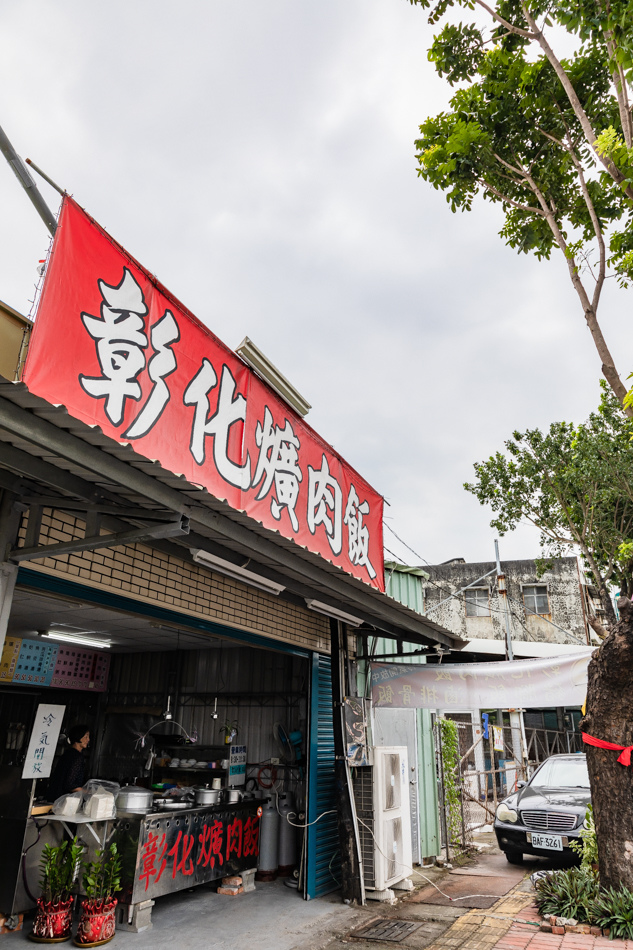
(547, 612)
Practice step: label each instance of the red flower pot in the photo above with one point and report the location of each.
(96, 924)
(53, 921)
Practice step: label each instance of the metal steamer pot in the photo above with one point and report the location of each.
(233, 795)
(134, 799)
(207, 796)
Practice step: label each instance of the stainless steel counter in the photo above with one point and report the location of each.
(167, 851)
(162, 851)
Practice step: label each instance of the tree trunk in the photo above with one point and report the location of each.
(610, 717)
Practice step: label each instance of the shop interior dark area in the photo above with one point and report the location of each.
(199, 738)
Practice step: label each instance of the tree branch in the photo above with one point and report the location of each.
(608, 366)
(509, 26)
(574, 101)
(595, 221)
(597, 627)
(619, 83)
(515, 204)
(517, 171)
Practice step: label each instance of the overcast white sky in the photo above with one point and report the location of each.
(259, 159)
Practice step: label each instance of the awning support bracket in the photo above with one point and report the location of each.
(170, 530)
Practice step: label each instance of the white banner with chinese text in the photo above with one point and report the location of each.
(550, 681)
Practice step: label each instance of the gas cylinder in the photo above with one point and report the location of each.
(287, 835)
(268, 843)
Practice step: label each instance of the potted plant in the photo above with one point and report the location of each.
(101, 880)
(58, 866)
(230, 731)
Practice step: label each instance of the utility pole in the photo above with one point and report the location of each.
(516, 715)
(503, 594)
(28, 183)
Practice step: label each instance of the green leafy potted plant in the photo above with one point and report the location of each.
(101, 880)
(59, 866)
(587, 847)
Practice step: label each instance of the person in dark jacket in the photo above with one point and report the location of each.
(70, 771)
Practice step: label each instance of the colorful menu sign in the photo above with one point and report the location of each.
(35, 663)
(116, 349)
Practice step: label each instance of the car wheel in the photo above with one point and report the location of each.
(514, 857)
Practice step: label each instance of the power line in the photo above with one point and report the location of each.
(448, 590)
(419, 557)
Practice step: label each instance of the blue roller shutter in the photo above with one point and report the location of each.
(323, 868)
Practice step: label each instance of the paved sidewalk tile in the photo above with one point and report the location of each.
(512, 924)
(517, 938)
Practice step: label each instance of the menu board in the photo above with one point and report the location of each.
(80, 669)
(10, 654)
(35, 663)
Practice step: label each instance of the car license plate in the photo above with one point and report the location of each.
(549, 842)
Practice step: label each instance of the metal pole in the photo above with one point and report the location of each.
(503, 593)
(493, 768)
(36, 168)
(26, 180)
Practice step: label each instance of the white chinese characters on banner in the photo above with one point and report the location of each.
(41, 751)
(120, 352)
(122, 345)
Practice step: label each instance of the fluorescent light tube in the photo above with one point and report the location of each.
(220, 566)
(79, 640)
(333, 612)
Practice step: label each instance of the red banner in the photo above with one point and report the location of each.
(119, 351)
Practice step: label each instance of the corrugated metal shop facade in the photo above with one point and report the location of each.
(99, 540)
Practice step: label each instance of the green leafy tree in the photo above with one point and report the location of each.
(575, 484)
(548, 137)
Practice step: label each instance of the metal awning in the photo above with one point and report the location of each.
(51, 459)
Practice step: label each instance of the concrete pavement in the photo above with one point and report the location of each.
(274, 917)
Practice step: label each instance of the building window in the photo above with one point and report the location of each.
(536, 600)
(477, 603)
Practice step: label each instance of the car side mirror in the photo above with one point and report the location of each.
(521, 783)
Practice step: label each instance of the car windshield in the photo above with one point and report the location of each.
(562, 773)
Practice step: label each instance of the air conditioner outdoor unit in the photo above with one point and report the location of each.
(381, 795)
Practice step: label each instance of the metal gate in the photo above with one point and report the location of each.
(322, 861)
(508, 757)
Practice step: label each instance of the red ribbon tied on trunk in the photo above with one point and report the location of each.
(624, 758)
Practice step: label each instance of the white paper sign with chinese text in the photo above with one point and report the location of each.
(237, 765)
(497, 734)
(39, 758)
